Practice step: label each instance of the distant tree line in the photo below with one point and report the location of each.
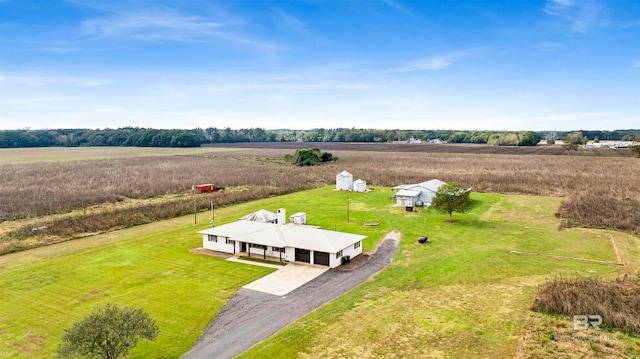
(227, 135)
(149, 137)
(615, 135)
(127, 136)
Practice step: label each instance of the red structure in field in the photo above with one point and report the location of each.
(204, 188)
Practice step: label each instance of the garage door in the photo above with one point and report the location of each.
(303, 255)
(321, 258)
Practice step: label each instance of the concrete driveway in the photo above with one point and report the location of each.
(250, 316)
(286, 279)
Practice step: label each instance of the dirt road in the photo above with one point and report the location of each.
(250, 316)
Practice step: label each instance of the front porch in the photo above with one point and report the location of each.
(260, 257)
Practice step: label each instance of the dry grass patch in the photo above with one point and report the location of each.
(448, 321)
(616, 301)
(553, 337)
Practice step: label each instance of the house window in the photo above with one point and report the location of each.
(229, 241)
(338, 254)
(276, 249)
(213, 238)
(356, 245)
(253, 245)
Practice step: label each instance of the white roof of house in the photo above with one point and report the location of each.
(290, 235)
(261, 215)
(359, 181)
(344, 173)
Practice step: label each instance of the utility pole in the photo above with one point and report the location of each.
(348, 200)
(195, 212)
(212, 218)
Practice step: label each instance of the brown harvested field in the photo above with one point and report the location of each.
(600, 192)
(431, 148)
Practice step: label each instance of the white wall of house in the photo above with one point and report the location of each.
(217, 243)
(352, 251)
(223, 244)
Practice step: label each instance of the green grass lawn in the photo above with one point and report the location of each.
(463, 295)
(45, 290)
(56, 154)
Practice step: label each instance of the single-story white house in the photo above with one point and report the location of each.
(419, 194)
(344, 181)
(288, 242)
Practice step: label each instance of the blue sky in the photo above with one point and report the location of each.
(474, 65)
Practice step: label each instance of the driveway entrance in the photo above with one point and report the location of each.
(286, 279)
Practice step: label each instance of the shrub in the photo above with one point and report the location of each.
(617, 301)
(109, 332)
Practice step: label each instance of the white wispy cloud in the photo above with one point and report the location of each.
(288, 21)
(28, 80)
(167, 25)
(29, 100)
(395, 5)
(635, 64)
(582, 14)
(426, 64)
(549, 45)
(439, 62)
(163, 24)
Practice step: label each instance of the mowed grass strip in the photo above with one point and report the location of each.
(462, 296)
(57, 154)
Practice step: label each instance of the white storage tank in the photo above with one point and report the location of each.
(359, 186)
(344, 181)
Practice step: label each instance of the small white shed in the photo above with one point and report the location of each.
(298, 218)
(359, 186)
(344, 181)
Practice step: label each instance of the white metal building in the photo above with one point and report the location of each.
(420, 194)
(288, 242)
(344, 181)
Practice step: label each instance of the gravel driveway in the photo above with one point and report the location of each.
(250, 316)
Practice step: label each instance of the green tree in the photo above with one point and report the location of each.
(571, 141)
(635, 147)
(596, 140)
(529, 138)
(452, 197)
(309, 157)
(108, 332)
(551, 138)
